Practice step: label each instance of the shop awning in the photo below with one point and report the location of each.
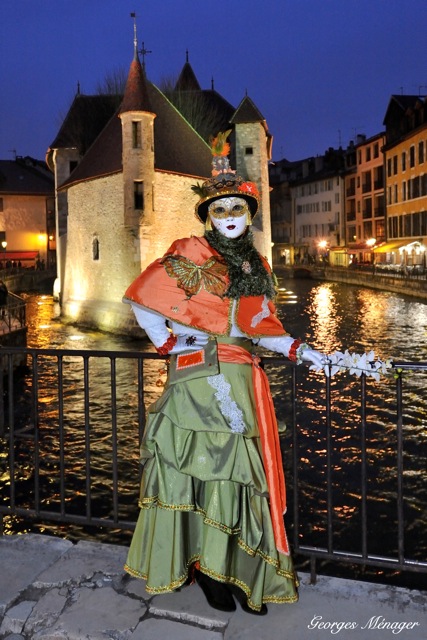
(390, 246)
(18, 255)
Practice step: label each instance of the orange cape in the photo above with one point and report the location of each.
(188, 285)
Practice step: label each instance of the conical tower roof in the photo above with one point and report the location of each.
(187, 80)
(247, 111)
(136, 93)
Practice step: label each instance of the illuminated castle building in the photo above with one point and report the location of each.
(124, 167)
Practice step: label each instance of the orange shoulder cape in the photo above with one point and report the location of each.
(188, 285)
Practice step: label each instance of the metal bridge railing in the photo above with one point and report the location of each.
(13, 314)
(71, 422)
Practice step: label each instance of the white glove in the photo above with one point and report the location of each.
(282, 344)
(155, 327)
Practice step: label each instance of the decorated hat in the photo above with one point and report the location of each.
(224, 182)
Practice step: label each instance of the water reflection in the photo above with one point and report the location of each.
(332, 316)
(325, 317)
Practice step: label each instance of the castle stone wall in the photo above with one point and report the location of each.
(93, 289)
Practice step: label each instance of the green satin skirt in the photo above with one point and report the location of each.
(204, 497)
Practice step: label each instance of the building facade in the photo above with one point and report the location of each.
(405, 159)
(27, 214)
(317, 200)
(364, 199)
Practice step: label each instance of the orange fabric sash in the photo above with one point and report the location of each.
(269, 435)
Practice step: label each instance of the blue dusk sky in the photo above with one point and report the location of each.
(320, 71)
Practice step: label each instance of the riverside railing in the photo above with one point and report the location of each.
(13, 314)
(72, 420)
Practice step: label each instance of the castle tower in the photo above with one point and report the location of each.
(253, 151)
(137, 122)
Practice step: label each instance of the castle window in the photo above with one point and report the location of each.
(95, 249)
(249, 151)
(138, 195)
(136, 134)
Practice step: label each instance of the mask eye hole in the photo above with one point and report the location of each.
(217, 210)
(237, 207)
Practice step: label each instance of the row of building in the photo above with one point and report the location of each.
(363, 204)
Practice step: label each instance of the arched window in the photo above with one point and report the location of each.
(95, 249)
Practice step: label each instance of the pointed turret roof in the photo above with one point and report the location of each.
(136, 93)
(187, 80)
(247, 111)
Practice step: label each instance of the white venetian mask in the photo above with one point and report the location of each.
(230, 216)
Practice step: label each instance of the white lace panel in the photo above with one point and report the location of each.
(264, 313)
(228, 407)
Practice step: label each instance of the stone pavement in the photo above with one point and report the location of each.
(52, 589)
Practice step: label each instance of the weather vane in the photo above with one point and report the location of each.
(135, 40)
(143, 51)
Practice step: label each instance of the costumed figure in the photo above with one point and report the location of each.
(213, 493)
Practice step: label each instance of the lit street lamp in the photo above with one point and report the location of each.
(4, 245)
(323, 249)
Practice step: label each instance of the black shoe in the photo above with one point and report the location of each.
(262, 612)
(217, 594)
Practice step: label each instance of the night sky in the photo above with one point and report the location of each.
(320, 71)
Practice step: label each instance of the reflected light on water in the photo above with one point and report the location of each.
(324, 317)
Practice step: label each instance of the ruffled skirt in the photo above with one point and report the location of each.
(204, 497)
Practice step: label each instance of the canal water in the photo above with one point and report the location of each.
(329, 316)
